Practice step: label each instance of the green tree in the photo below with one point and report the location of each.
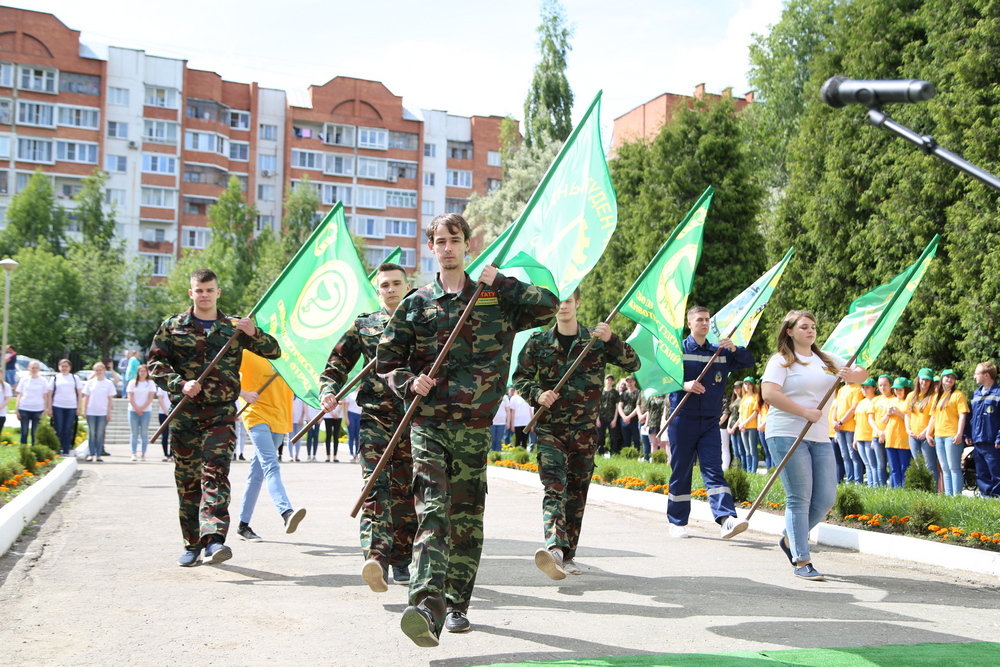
(230, 252)
(549, 105)
(270, 260)
(34, 215)
(300, 218)
(105, 313)
(96, 225)
(44, 296)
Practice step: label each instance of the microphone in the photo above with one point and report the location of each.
(840, 91)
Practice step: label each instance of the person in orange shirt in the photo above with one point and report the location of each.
(918, 418)
(747, 424)
(863, 431)
(897, 445)
(880, 406)
(844, 422)
(949, 412)
(762, 408)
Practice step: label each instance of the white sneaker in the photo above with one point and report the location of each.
(679, 531)
(133, 457)
(550, 561)
(733, 526)
(571, 567)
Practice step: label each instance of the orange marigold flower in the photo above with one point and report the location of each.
(933, 528)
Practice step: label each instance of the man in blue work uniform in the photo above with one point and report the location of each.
(984, 426)
(695, 429)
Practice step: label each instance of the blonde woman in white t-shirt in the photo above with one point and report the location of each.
(63, 401)
(141, 393)
(794, 383)
(98, 394)
(32, 401)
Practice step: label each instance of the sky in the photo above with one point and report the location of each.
(467, 57)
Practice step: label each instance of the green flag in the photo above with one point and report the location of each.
(654, 376)
(569, 219)
(658, 299)
(872, 316)
(313, 302)
(743, 313)
(391, 258)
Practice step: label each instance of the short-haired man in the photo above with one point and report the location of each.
(450, 433)
(694, 432)
(202, 434)
(984, 429)
(628, 414)
(607, 418)
(388, 518)
(567, 436)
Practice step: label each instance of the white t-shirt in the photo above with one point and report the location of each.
(32, 392)
(99, 392)
(141, 392)
(163, 398)
(8, 393)
(352, 402)
(806, 384)
(501, 417)
(302, 412)
(64, 390)
(522, 411)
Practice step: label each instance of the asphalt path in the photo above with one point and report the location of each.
(95, 582)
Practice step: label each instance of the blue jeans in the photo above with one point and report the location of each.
(927, 448)
(868, 458)
(264, 466)
(29, 421)
(899, 461)
(354, 432)
(312, 440)
(62, 421)
(749, 439)
(96, 424)
(853, 465)
(138, 426)
(810, 481)
(630, 433)
(881, 461)
(768, 459)
(164, 437)
(950, 457)
(647, 445)
(496, 432)
(11, 377)
(294, 448)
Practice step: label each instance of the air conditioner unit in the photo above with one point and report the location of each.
(133, 144)
(266, 172)
(391, 178)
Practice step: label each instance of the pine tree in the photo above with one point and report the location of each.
(549, 105)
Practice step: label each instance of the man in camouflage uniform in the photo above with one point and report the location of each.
(388, 518)
(654, 415)
(450, 433)
(203, 433)
(567, 436)
(607, 418)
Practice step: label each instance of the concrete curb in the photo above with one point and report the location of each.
(18, 513)
(900, 547)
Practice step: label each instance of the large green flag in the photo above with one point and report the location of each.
(653, 377)
(391, 258)
(744, 312)
(658, 299)
(872, 316)
(313, 302)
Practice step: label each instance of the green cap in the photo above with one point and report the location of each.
(948, 371)
(750, 379)
(887, 377)
(937, 378)
(925, 374)
(870, 382)
(901, 383)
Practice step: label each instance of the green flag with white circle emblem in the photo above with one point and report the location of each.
(313, 302)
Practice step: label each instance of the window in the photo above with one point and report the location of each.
(159, 197)
(455, 205)
(206, 110)
(154, 235)
(70, 191)
(73, 151)
(340, 165)
(401, 198)
(427, 265)
(493, 184)
(115, 163)
(369, 227)
(6, 75)
(5, 112)
(493, 159)
(79, 117)
(459, 179)
(266, 192)
(34, 150)
(408, 257)
(195, 206)
(118, 96)
(267, 163)
(115, 197)
(161, 97)
(460, 150)
(265, 222)
(404, 140)
(244, 181)
(269, 132)
(239, 120)
(3, 184)
(22, 182)
(195, 237)
(398, 169)
(371, 198)
(302, 132)
(339, 135)
(84, 84)
(372, 138)
(430, 150)
(196, 173)
(117, 130)
(307, 159)
(429, 179)
(406, 228)
(427, 207)
(371, 168)
(4, 146)
(336, 193)
(40, 80)
(162, 132)
(159, 264)
(33, 113)
(207, 142)
(159, 164)
(239, 151)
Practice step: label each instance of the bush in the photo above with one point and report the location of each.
(494, 456)
(7, 470)
(656, 477)
(919, 477)
(659, 456)
(848, 502)
(629, 453)
(43, 453)
(28, 459)
(924, 512)
(520, 455)
(610, 474)
(739, 484)
(46, 436)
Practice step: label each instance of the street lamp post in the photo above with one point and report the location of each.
(8, 267)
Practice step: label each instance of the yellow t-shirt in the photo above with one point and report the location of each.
(920, 418)
(895, 427)
(748, 404)
(847, 397)
(946, 416)
(274, 407)
(863, 429)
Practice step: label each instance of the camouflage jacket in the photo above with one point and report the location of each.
(471, 382)
(609, 405)
(181, 350)
(542, 363)
(361, 342)
(654, 408)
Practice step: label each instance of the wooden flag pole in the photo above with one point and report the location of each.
(343, 392)
(262, 388)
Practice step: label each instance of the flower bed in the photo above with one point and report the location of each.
(14, 476)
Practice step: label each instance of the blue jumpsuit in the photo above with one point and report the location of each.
(984, 426)
(695, 431)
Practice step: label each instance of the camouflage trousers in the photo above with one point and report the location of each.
(388, 518)
(565, 465)
(202, 441)
(449, 487)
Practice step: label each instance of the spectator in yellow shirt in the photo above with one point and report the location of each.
(747, 424)
(897, 445)
(949, 411)
(863, 431)
(918, 418)
(844, 423)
